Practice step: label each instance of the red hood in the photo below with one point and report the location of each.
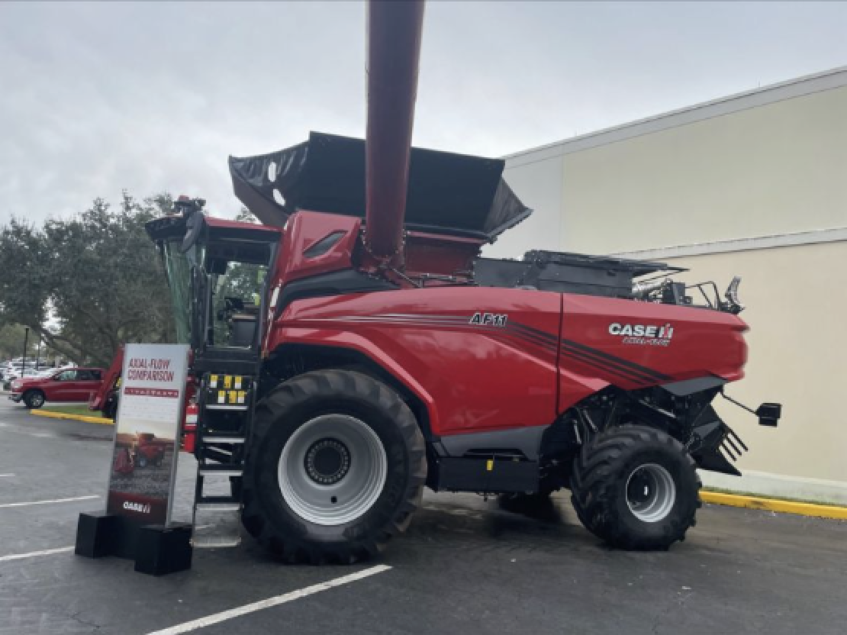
(29, 381)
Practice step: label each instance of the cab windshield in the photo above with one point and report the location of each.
(217, 288)
(178, 269)
(235, 304)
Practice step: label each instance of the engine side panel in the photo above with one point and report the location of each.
(637, 344)
(481, 359)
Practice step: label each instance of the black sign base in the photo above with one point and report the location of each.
(96, 534)
(156, 549)
(160, 550)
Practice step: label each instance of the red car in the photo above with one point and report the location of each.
(72, 384)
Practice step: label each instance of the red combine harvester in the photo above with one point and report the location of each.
(356, 347)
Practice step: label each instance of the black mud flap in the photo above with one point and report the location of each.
(713, 444)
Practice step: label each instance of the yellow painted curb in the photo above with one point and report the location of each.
(775, 505)
(65, 415)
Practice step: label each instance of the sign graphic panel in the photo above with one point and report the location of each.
(150, 412)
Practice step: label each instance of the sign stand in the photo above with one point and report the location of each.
(156, 549)
(136, 523)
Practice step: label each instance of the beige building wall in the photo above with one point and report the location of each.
(773, 169)
(796, 299)
(752, 185)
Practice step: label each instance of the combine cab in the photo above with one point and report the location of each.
(355, 347)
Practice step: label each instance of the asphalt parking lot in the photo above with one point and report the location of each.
(465, 566)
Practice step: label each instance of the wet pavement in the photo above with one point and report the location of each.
(465, 566)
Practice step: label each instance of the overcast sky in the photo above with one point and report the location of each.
(154, 96)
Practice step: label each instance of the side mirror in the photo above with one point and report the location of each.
(769, 414)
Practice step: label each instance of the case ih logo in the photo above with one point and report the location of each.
(489, 319)
(137, 507)
(643, 334)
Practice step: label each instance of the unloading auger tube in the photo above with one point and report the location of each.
(394, 47)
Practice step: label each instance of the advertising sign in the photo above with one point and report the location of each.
(150, 411)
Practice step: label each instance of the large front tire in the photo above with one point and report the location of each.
(335, 468)
(636, 488)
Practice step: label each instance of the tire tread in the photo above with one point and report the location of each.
(331, 383)
(595, 486)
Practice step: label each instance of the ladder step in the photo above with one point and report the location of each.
(220, 439)
(212, 453)
(215, 542)
(223, 469)
(216, 499)
(218, 507)
(216, 525)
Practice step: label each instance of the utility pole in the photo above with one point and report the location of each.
(23, 360)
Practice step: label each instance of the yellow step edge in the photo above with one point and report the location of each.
(65, 415)
(775, 505)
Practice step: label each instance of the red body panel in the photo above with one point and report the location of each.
(223, 223)
(702, 343)
(472, 378)
(527, 356)
(441, 254)
(303, 231)
(428, 253)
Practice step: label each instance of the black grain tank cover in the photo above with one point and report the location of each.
(448, 193)
(565, 272)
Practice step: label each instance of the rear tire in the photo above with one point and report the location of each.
(34, 399)
(335, 468)
(636, 488)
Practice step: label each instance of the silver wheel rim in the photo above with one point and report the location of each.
(332, 469)
(650, 493)
(37, 400)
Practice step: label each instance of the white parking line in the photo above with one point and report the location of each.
(217, 618)
(35, 554)
(5, 475)
(58, 500)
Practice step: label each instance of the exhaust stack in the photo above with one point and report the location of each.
(394, 46)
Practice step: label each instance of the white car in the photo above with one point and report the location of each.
(17, 374)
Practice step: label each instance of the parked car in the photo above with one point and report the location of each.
(16, 373)
(73, 384)
(10, 367)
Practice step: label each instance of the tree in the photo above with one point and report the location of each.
(12, 343)
(88, 283)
